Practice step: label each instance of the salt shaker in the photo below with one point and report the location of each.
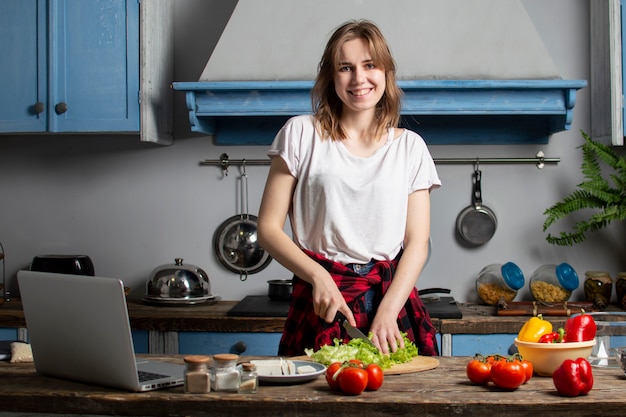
(224, 373)
(249, 380)
(197, 380)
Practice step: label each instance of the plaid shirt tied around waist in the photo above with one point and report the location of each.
(305, 329)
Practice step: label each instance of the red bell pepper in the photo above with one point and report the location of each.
(580, 328)
(553, 337)
(573, 377)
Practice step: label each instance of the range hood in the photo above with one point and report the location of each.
(497, 85)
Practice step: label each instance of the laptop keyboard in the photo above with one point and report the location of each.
(149, 376)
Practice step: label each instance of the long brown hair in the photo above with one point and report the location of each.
(327, 106)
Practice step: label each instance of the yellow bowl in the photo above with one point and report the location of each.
(546, 357)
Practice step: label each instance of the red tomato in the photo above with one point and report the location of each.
(357, 363)
(479, 371)
(353, 380)
(375, 377)
(528, 368)
(508, 374)
(331, 378)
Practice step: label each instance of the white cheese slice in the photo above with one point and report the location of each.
(306, 369)
(268, 367)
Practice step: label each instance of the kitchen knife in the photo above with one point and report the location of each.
(353, 332)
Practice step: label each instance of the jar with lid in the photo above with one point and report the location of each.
(598, 288)
(224, 372)
(498, 283)
(553, 283)
(249, 380)
(620, 289)
(197, 379)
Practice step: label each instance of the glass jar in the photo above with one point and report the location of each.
(497, 283)
(620, 289)
(224, 372)
(197, 380)
(248, 380)
(553, 283)
(598, 288)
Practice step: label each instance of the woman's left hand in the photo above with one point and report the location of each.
(385, 333)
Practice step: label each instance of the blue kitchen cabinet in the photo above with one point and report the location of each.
(141, 341)
(8, 333)
(486, 344)
(69, 66)
(210, 343)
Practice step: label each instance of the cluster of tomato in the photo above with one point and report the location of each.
(506, 372)
(353, 377)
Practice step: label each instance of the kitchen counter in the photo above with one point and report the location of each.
(442, 391)
(477, 319)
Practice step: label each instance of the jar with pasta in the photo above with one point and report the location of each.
(553, 283)
(499, 283)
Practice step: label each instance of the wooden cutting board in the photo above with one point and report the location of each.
(418, 364)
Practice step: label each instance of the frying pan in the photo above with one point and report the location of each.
(477, 223)
(235, 241)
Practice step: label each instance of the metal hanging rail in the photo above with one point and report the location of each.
(539, 160)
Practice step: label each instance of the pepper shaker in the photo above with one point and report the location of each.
(197, 380)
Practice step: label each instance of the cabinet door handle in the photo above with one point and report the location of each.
(60, 108)
(39, 107)
(240, 347)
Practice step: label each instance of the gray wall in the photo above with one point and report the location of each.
(132, 206)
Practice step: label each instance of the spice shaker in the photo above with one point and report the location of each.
(497, 283)
(249, 380)
(224, 372)
(197, 380)
(553, 283)
(598, 288)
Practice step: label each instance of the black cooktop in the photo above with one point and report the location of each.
(262, 306)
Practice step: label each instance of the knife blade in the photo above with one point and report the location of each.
(352, 331)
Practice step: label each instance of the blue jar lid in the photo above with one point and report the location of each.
(567, 276)
(513, 275)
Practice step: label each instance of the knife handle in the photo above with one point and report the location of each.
(340, 317)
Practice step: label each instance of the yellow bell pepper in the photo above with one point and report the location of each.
(534, 328)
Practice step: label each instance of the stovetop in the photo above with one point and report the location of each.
(262, 306)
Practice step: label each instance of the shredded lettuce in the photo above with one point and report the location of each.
(359, 349)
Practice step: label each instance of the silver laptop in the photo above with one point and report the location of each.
(79, 329)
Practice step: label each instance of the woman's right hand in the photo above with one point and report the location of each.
(327, 300)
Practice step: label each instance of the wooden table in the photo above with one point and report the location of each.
(439, 392)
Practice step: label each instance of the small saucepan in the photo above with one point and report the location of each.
(477, 223)
(279, 289)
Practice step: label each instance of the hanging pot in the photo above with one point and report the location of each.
(477, 223)
(235, 241)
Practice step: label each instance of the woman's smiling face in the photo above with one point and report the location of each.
(359, 83)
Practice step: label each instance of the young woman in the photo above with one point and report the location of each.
(356, 189)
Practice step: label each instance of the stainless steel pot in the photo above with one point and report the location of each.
(477, 223)
(177, 281)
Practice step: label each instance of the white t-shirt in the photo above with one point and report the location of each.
(348, 208)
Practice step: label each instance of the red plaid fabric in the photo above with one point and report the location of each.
(304, 329)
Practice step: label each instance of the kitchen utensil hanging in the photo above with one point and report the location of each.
(477, 223)
(235, 241)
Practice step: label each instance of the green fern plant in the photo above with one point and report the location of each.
(595, 193)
